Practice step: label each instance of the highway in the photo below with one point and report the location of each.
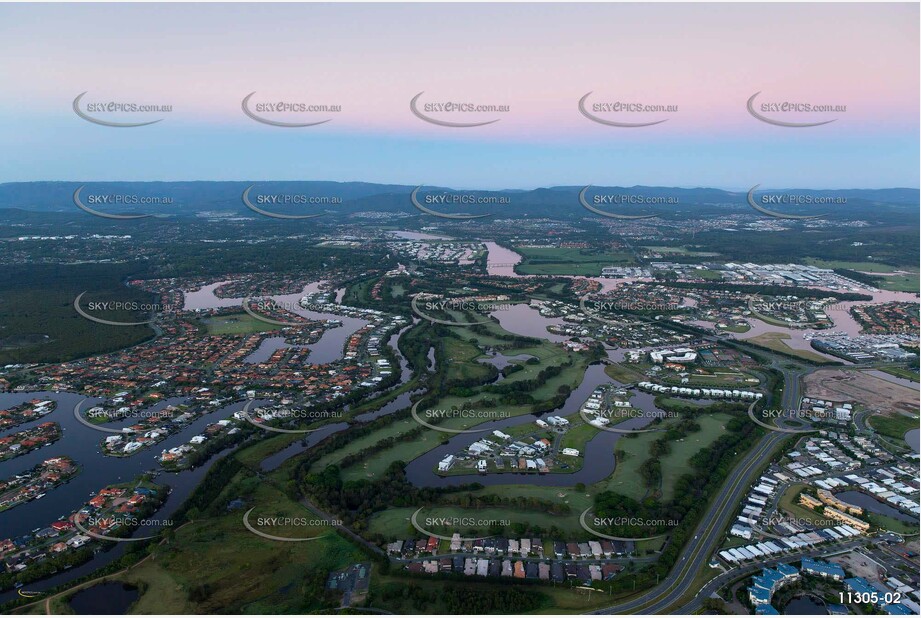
(710, 531)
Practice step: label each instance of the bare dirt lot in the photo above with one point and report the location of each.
(871, 391)
(859, 564)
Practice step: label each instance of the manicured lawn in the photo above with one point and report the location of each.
(236, 324)
(394, 523)
(462, 358)
(394, 429)
(901, 283)
(559, 261)
(459, 357)
(893, 425)
(577, 436)
(788, 503)
(866, 267)
(578, 501)
(626, 478)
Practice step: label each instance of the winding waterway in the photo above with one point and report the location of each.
(82, 443)
(326, 350)
(598, 461)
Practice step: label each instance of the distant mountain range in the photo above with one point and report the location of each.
(197, 197)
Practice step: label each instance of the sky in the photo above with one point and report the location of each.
(539, 60)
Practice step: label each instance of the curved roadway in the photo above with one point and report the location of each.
(709, 533)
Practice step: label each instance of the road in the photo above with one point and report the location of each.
(710, 532)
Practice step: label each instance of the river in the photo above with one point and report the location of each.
(81, 443)
(326, 350)
(399, 402)
(501, 262)
(598, 461)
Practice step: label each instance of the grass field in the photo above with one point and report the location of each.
(625, 373)
(789, 504)
(552, 599)
(891, 524)
(394, 429)
(776, 342)
(577, 435)
(680, 251)
(214, 565)
(410, 449)
(462, 359)
(865, 267)
(901, 283)
(893, 425)
(236, 324)
(709, 275)
(626, 478)
(560, 261)
(907, 282)
(578, 501)
(459, 358)
(901, 372)
(394, 523)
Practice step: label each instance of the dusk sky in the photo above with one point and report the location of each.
(538, 60)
